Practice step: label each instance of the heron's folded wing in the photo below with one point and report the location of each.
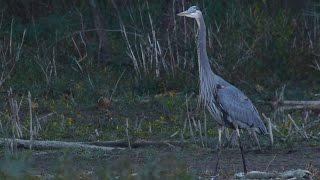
(239, 107)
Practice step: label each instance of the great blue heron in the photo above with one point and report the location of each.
(229, 106)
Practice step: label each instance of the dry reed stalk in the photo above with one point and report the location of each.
(184, 129)
(150, 129)
(200, 132)
(127, 133)
(189, 121)
(270, 127)
(185, 35)
(205, 128)
(31, 119)
(15, 119)
(130, 52)
(300, 131)
(8, 61)
(116, 85)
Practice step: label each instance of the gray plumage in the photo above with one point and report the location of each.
(229, 106)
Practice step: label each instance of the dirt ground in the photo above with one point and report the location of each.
(268, 160)
(199, 161)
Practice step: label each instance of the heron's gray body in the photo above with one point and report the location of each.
(229, 106)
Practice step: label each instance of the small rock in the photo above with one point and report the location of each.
(260, 175)
(240, 175)
(299, 173)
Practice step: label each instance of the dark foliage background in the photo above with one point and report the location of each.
(251, 43)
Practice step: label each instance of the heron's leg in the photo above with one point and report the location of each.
(242, 153)
(220, 130)
(256, 139)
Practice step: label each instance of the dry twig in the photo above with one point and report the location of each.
(270, 127)
(300, 131)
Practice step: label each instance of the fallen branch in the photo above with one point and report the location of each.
(135, 144)
(288, 105)
(55, 144)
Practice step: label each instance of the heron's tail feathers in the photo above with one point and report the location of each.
(262, 129)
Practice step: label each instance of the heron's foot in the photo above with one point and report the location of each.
(214, 177)
(217, 167)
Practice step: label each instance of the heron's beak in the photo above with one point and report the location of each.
(184, 13)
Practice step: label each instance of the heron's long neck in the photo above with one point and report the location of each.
(202, 51)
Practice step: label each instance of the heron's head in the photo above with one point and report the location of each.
(192, 12)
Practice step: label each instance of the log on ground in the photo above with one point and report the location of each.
(299, 104)
(36, 144)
